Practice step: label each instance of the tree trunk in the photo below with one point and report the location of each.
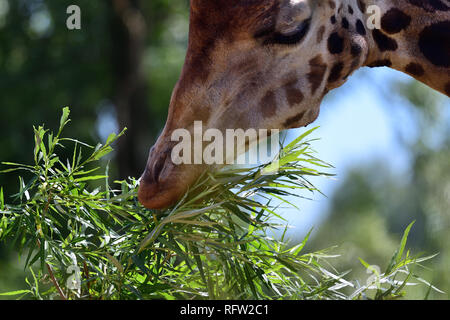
(128, 31)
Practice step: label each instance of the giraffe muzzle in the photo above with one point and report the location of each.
(163, 183)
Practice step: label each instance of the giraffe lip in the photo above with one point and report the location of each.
(159, 195)
(169, 188)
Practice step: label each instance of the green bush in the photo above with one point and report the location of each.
(83, 238)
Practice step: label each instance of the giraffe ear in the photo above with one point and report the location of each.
(292, 14)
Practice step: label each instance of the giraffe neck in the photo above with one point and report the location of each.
(413, 36)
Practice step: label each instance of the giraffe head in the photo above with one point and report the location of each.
(267, 64)
(249, 64)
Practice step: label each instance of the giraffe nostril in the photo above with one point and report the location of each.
(158, 168)
(159, 164)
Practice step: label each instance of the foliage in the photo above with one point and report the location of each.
(81, 242)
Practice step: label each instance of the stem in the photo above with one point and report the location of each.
(86, 274)
(55, 283)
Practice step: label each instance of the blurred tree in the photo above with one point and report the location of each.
(128, 31)
(44, 66)
(373, 205)
(117, 71)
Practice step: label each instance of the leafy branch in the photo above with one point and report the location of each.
(215, 243)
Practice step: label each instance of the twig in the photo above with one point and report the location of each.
(86, 274)
(52, 277)
(55, 283)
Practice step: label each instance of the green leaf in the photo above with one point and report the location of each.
(97, 155)
(64, 118)
(298, 248)
(14, 293)
(296, 141)
(403, 242)
(91, 178)
(365, 264)
(111, 138)
(2, 200)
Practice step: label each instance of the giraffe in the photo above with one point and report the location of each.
(269, 63)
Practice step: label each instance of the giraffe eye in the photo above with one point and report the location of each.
(293, 37)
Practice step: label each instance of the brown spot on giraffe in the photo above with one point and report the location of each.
(415, 69)
(335, 43)
(336, 72)
(394, 21)
(268, 104)
(361, 6)
(345, 24)
(350, 10)
(354, 65)
(317, 73)
(447, 89)
(434, 43)
(360, 28)
(333, 19)
(320, 34)
(430, 5)
(294, 95)
(292, 121)
(384, 42)
(380, 63)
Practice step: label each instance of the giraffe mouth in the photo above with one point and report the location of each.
(154, 191)
(163, 183)
(158, 196)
